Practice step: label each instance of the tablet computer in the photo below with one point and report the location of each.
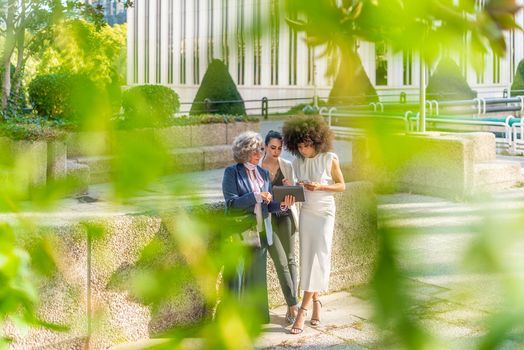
(279, 192)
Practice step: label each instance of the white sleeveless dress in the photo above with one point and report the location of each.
(317, 221)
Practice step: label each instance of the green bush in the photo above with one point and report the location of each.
(517, 88)
(447, 83)
(63, 96)
(217, 85)
(149, 106)
(352, 85)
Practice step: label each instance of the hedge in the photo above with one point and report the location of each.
(64, 96)
(217, 85)
(447, 83)
(149, 106)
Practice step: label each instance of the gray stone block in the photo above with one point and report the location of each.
(79, 176)
(175, 136)
(217, 156)
(208, 134)
(56, 160)
(100, 168)
(188, 159)
(83, 144)
(234, 129)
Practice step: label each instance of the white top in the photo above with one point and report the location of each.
(316, 169)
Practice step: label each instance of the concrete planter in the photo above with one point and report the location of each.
(23, 164)
(234, 129)
(82, 144)
(56, 159)
(208, 134)
(175, 136)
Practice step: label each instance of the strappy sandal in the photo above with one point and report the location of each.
(296, 330)
(314, 321)
(290, 319)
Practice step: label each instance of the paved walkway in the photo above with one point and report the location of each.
(451, 298)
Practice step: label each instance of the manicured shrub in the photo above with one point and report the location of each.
(447, 83)
(352, 85)
(517, 88)
(149, 106)
(63, 96)
(217, 85)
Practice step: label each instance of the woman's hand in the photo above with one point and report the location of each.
(286, 182)
(313, 186)
(288, 201)
(266, 197)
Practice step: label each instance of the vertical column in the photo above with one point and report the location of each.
(249, 50)
(232, 37)
(131, 46)
(265, 37)
(164, 42)
(283, 75)
(152, 21)
(203, 37)
(176, 44)
(142, 41)
(190, 40)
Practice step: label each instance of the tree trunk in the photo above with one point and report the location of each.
(20, 45)
(8, 52)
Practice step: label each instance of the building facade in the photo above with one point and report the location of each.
(114, 10)
(171, 42)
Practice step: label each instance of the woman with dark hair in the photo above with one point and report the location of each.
(247, 190)
(285, 224)
(318, 170)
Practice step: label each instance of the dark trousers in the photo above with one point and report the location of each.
(249, 282)
(283, 253)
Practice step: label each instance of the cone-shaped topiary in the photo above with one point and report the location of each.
(447, 83)
(217, 85)
(352, 85)
(517, 88)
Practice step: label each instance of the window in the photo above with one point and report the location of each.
(146, 35)
(183, 12)
(482, 68)
(496, 68)
(241, 44)
(407, 67)
(196, 47)
(381, 61)
(310, 65)
(275, 35)
(225, 45)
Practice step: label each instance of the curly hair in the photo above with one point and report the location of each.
(307, 129)
(244, 144)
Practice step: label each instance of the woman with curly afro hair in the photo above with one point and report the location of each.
(317, 169)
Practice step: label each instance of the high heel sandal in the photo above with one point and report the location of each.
(316, 321)
(296, 330)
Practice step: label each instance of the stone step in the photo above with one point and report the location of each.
(184, 160)
(484, 145)
(495, 175)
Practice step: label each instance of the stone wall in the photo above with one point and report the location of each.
(98, 253)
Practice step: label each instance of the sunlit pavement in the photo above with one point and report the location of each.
(451, 301)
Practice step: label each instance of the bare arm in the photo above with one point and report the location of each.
(339, 184)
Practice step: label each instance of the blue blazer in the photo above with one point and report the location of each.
(238, 193)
